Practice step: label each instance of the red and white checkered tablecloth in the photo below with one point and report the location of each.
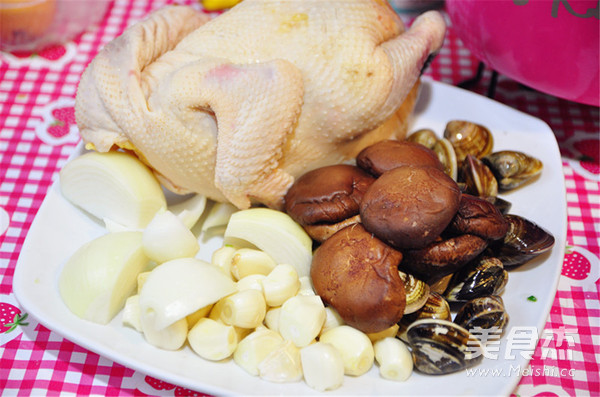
(38, 133)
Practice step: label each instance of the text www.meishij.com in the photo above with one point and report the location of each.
(517, 370)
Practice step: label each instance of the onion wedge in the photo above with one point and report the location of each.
(114, 186)
(273, 232)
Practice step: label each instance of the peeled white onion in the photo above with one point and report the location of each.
(218, 216)
(96, 281)
(114, 186)
(190, 210)
(167, 237)
(180, 287)
(275, 233)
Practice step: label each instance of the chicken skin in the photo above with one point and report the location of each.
(238, 106)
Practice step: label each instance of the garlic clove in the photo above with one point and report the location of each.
(301, 319)
(132, 313)
(212, 340)
(280, 284)
(244, 309)
(356, 348)
(253, 349)
(171, 337)
(323, 366)
(394, 359)
(248, 261)
(332, 319)
(282, 364)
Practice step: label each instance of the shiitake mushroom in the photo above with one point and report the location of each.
(357, 274)
(327, 199)
(389, 154)
(409, 206)
(478, 216)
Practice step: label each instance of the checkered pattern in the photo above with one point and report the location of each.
(40, 362)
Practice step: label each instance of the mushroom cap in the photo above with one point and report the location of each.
(409, 206)
(443, 257)
(327, 195)
(389, 154)
(478, 216)
(357, 274)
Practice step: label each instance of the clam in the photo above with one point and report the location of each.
(441, 347)
(512, 169)
(500, 203)
(524, 241)
(469, 138)
(485, 312)
(435, 307)
(482, 277)
(424, 136)
(447, 156)
(479, 180)
(440, 285)
(417, 292)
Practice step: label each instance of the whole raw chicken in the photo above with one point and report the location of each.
(236, 107)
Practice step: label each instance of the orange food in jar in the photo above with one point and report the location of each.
(24, 21)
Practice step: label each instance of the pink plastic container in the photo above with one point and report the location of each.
(548, 45)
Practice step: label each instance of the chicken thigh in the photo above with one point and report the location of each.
(238, 106)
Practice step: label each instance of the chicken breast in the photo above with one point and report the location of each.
(236, 107)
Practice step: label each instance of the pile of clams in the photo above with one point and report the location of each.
(415, 228)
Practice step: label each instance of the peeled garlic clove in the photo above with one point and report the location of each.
(141, 279)
(255, 347)
(193, 318)
(113, 185)
(215, 311)
(306, 286)
(301, 319)
(190, 210)
(179, 287)
(132, 313)
(253, 281)
(389, 332)
(171, 337)
(244, 309)
(248, 261)
(272, 318)
(212, 340)
(282, 364)
(166, 237)
(332, 319)
(280, 285)
(355, 346)
(222, 258)
(275, 233)
(323, 366)
(394, 359)
(99, 277)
